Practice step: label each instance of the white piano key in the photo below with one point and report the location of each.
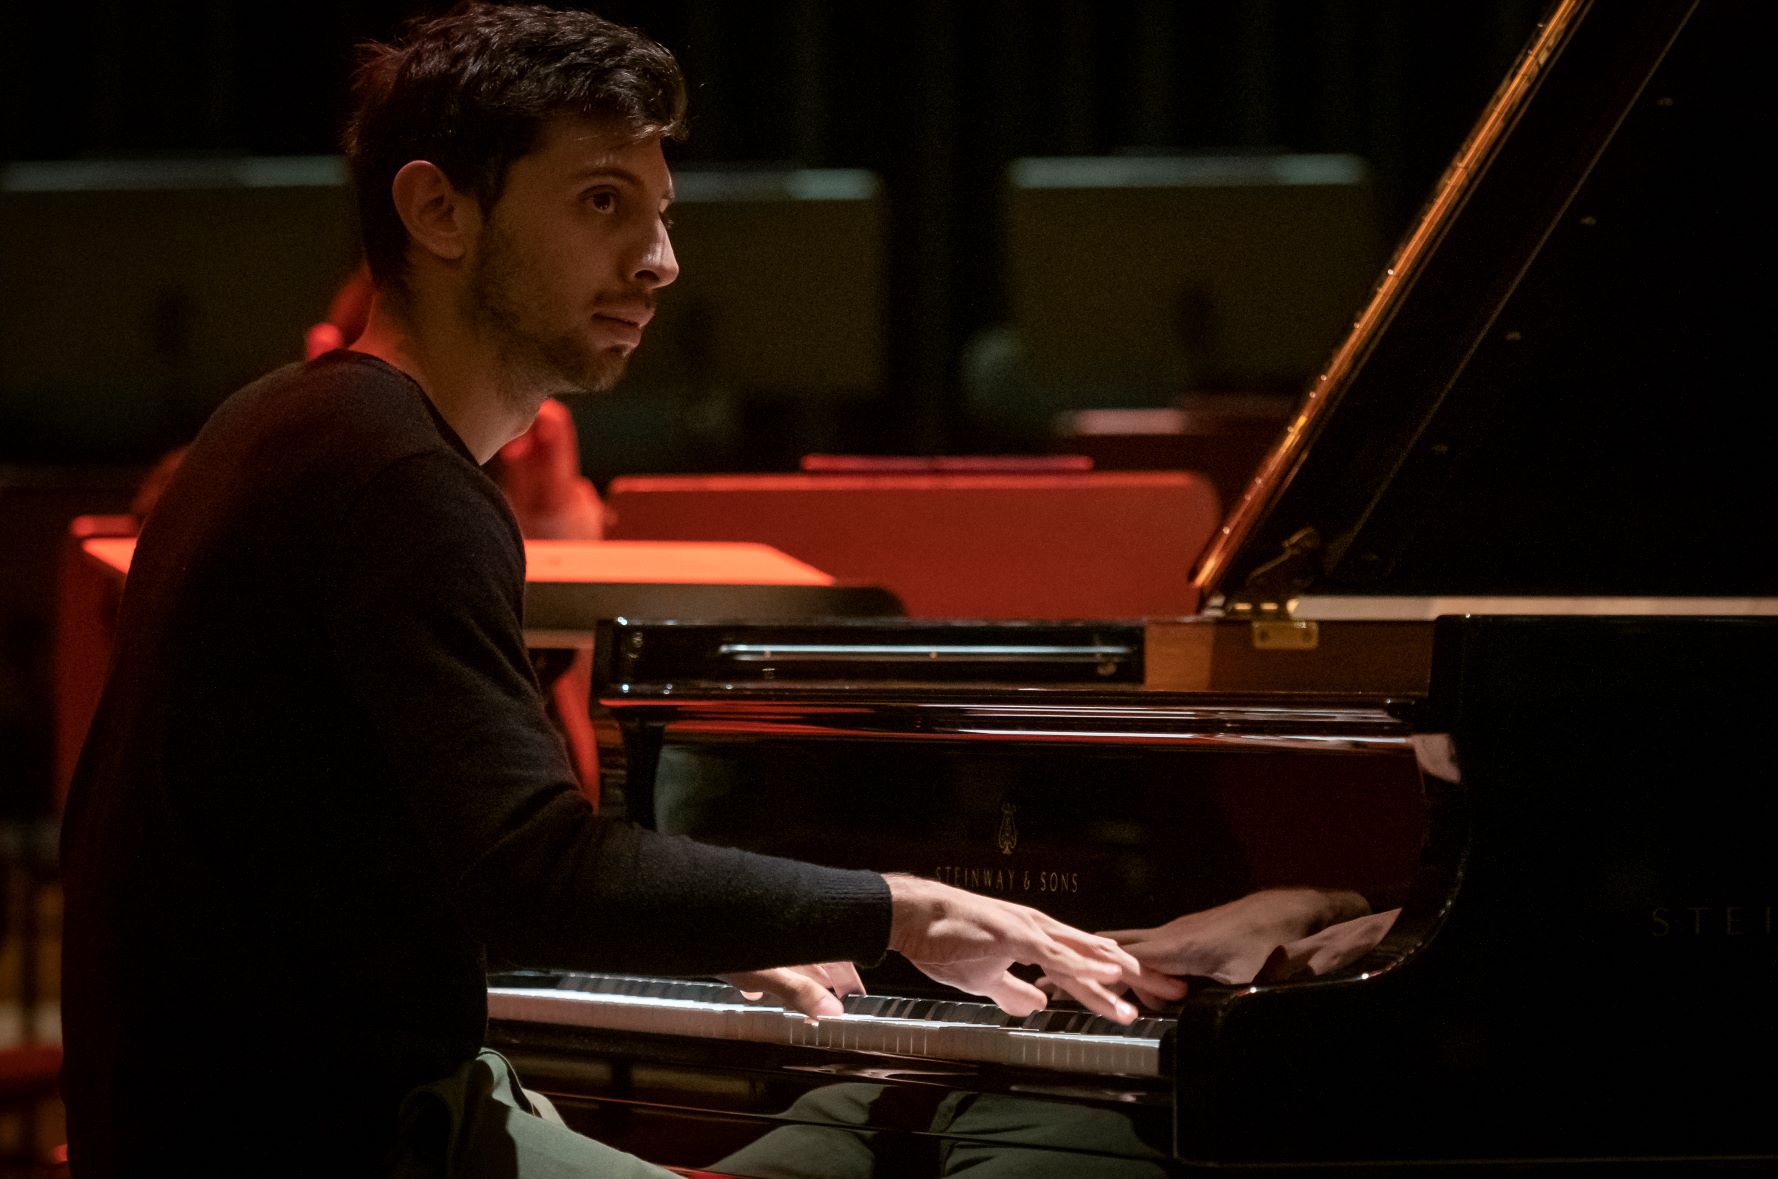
(714, 1011)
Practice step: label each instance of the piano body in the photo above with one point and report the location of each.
(1491, 636)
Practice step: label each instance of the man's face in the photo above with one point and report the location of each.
(570, 256)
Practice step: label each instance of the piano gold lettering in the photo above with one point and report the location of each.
(1007, 880)
(1754, 920)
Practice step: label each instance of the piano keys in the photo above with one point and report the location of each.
(1488, 637)
(1057, 1039)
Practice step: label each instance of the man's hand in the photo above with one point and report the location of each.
(968, 941)
(811, 990)
(1231, 942)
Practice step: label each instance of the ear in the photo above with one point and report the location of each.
(440, 220)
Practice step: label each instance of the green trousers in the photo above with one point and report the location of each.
(479, 1123)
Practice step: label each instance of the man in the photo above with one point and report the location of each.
(320, 793)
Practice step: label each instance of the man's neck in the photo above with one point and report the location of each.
(454, 367)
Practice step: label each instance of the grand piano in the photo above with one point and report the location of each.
(1490, 637)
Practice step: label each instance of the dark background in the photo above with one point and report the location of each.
(934, 98)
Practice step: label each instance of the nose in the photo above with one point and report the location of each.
(659, 266)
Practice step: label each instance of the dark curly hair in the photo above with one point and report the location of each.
(471, 92)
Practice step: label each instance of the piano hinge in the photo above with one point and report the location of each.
(1269, 595)
(1286, 634)
(1270, 587)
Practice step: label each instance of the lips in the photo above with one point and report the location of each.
(635, 315)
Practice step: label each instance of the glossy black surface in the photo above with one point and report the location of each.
(1135, 826)
(1598, 977)
(1566, 394)
(634, 657)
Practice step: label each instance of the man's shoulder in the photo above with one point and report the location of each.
(338, 413)
(347, 387)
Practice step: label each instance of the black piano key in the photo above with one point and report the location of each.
(977, 1031)
(1053, 1020)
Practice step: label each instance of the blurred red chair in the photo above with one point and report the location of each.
(28, 1094)
(973, 543)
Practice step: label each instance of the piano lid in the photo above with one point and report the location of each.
(1561, 385)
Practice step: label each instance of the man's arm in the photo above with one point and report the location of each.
(423, 600)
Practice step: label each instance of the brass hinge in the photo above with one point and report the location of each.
(1270, 593)
(1286, 634)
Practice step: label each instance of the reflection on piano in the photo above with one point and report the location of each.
(1490, 633)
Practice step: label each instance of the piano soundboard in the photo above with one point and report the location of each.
(1057, 1039)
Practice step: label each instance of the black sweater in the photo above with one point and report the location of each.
(321, 792)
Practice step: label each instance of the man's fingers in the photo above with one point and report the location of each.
(1095, 997)
(1014, 995)
(843, 978)
(751, 983)
(1156, 983)
(797, 989)
(1155, 989)
(1093, 969)
(1159, 996)
(1098, 960)
(808, 996)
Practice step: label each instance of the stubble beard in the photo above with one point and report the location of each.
(535, 363)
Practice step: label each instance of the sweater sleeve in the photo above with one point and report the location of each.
(424, 593)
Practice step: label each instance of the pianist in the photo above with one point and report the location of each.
(320, 793)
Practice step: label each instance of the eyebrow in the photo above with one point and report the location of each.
(615, 172)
